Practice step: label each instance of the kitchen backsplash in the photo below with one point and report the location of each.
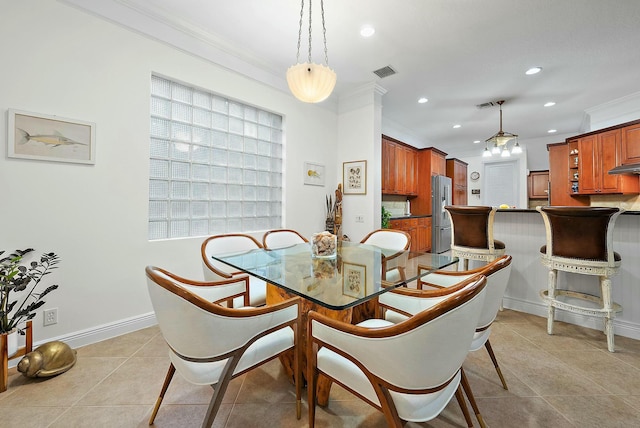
(396, 208)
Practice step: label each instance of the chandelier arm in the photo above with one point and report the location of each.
(310, 31)
(324, 33)
(299, 32)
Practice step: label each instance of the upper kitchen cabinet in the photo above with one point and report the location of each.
(561, 170)
(457, 171)
(430, 162)
(399, 168)
(597, 154)
(537, 183)
(631, 144)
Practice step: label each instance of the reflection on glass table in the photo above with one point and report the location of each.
(357, 273)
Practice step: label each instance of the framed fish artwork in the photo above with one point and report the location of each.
(313, 174)
(50, 138)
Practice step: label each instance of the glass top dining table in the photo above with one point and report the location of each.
(357, 273)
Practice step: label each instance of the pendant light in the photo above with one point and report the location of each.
(499, 141)
(309, 82)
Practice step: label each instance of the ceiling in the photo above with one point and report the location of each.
(456, 53)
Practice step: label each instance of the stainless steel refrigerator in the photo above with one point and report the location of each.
(440, 224)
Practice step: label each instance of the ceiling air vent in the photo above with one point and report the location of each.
(384, 72)
(487, 104)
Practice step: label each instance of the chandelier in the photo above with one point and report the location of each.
(499, 140)
(309, 82)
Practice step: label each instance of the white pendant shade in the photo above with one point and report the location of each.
(311, 83)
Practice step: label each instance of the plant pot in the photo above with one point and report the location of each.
(12, 342)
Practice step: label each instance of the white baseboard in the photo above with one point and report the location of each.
(102, 332)
(621, 328)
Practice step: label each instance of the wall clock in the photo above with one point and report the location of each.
(475, 175)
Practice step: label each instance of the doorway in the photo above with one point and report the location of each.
(501, 184)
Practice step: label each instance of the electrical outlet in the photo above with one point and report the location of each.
(50, 316)
(359, 219)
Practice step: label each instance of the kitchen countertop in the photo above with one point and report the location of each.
(406, 217)
(531, 210)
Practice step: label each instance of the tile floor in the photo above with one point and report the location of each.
(565, 380)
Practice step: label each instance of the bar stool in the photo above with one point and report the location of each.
(472, 234)
(580, 240)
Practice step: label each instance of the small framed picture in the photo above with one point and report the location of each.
(354, 280)
(50, 138)
(354, 177)
(313, 174)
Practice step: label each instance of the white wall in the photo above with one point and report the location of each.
(60, 61)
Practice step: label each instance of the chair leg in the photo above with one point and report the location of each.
(165, 385)
(605, 287)
(553, 278)
(463, 406)
(472, 399)
(298, 376)
(311, 392)
(487, 345)
(218, 392)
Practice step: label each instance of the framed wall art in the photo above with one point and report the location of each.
(50, 138)
(354, 280)
(313, 174)
(354, 177)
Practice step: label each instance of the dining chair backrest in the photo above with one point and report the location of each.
(229, 244)
(198, 329)
(440, 336)
(391, 239)
(281, 238)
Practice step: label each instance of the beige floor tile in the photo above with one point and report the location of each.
(597, 411)
(184, 416)
(26, 416)
(603, 368)
(267, 384)
(62, 390)
(529, 412)
(137, 381)
(119, 416)
(546, 374)
(485, 382)
(121, 346)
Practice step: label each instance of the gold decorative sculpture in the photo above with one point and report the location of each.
(46, 360)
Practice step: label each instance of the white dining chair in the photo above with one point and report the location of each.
(231, 244)
(402, 303)
(410, 370)
(281, 238)
(210, 344)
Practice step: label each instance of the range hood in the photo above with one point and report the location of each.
(626, 169)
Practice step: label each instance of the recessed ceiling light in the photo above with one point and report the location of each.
(476, 141)
(456, 126)
(367, 31)
(552, 131)
(533, 70)
(549, 104)
(423, 100)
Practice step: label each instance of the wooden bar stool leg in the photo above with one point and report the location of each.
(605, 287)
(553, 278)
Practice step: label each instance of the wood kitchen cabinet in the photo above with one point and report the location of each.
(418, 228)
(399, 168)
(597, 154)
(630, 146)
(538, 182)
(430, 161)
(559, 173)
(457, 171)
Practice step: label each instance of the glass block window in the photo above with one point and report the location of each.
(215, 164)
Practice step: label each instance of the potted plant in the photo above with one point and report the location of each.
(19, 299)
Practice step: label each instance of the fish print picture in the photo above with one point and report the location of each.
(50, 138)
